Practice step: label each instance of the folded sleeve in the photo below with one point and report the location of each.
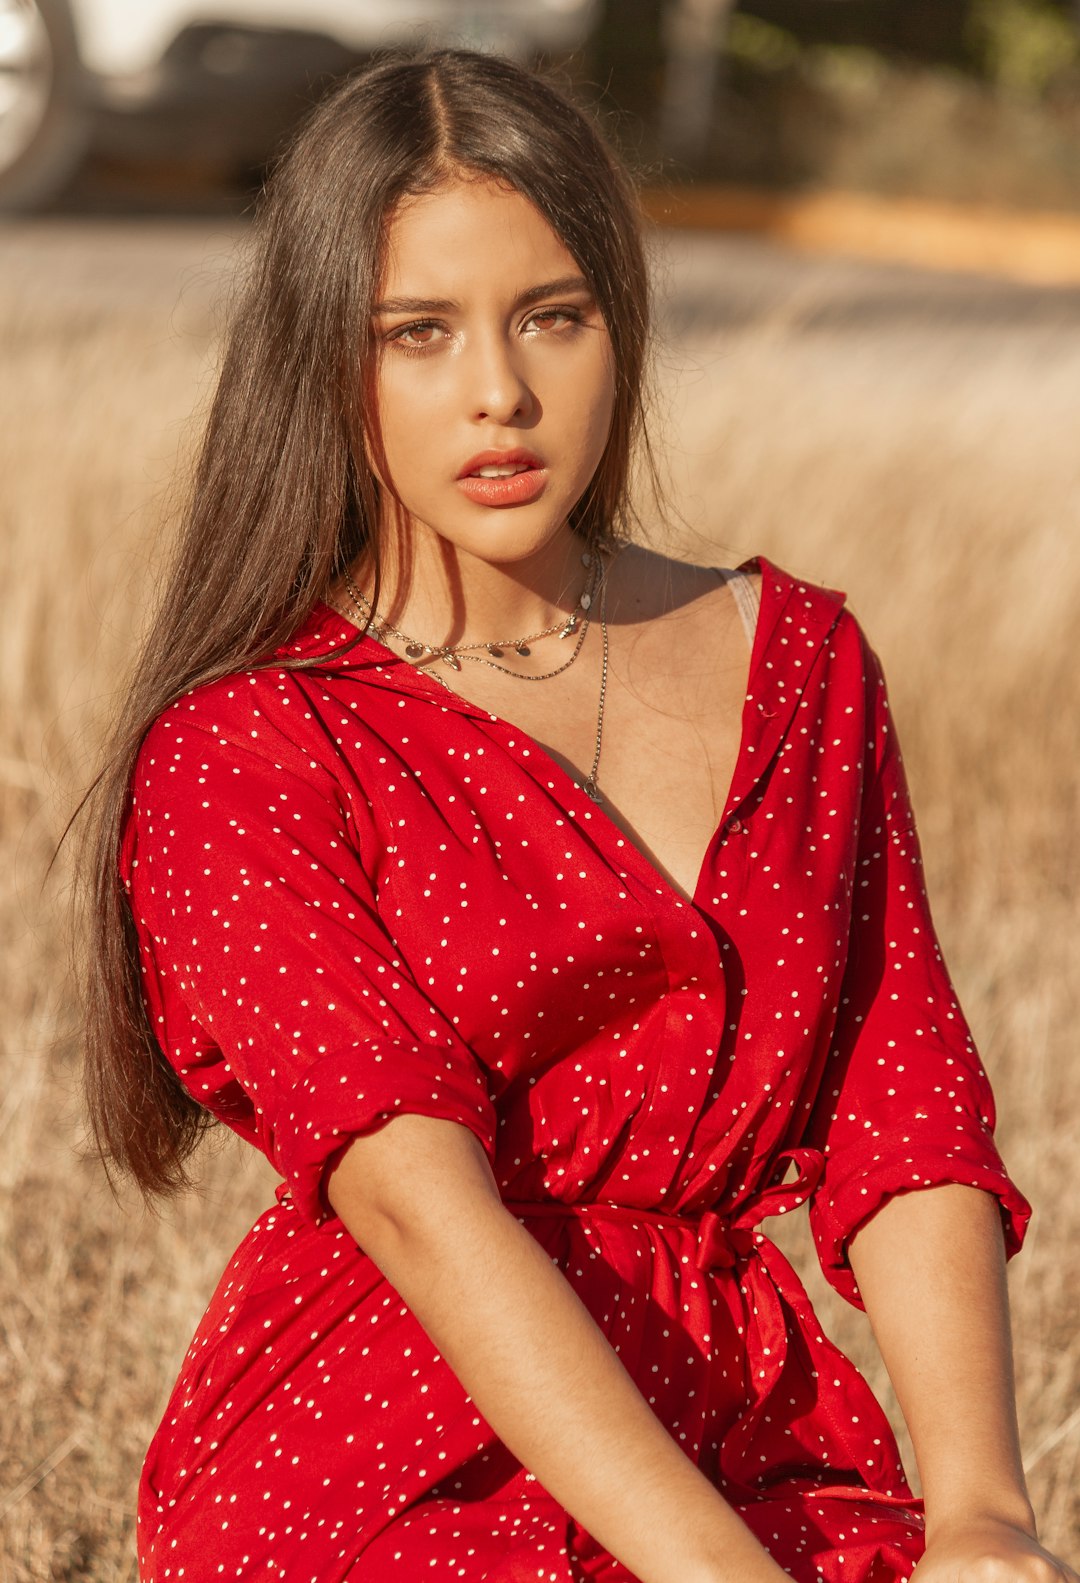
(277, 990)
(904, 1102)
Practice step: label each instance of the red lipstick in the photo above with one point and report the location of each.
(513, 478)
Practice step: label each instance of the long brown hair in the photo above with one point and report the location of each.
(283, 498)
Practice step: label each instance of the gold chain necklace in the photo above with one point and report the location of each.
(453, 654)
(589, 784)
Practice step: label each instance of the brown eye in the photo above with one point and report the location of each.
(552, 320)
(414, 337)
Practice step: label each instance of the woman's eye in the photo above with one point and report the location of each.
(424, 334)
(414, 337)
(553, 318)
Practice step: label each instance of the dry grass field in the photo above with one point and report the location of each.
(911, 442)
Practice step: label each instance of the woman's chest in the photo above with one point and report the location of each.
(539, 927)
(655, 726)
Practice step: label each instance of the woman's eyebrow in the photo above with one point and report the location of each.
(549, 288)
(554, 288)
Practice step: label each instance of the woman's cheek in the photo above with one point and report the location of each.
(408, 398)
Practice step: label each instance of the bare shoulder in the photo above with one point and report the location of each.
(646, 584)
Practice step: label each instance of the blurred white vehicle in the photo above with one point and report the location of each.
(213, 73)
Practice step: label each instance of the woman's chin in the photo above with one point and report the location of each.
(503, 536)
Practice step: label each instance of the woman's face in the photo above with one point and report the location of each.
(495, 377)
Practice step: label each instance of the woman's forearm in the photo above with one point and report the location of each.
(931, 1271)
(419, 1197)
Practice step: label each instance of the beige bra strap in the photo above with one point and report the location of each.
(747, 596)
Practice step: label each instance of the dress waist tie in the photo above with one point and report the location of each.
(774, 1296)
(722, 1239)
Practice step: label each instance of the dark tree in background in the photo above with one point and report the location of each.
(692, 99)
(921, 30)
(626, 59)
(661, 61)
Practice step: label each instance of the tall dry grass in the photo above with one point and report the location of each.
(925, 461)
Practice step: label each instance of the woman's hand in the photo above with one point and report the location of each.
(988, 1550)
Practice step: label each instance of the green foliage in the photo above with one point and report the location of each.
(1023, 46)
(760, 45)
(849, 71)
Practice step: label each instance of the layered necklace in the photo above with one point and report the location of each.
(492, 651)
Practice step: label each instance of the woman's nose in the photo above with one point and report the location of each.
(498, 390)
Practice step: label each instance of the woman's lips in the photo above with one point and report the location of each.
(516, 489)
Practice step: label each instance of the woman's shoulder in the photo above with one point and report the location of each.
(265, 702)
(257, 716)
(654, 580)
(795, 625)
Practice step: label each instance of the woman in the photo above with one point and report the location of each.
(538, 904)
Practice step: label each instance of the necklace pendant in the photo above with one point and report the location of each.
(593, 790)
(451, 659)
(495, 651)
(523, 649)
(585, 601)
(415, 651)
(570, 625)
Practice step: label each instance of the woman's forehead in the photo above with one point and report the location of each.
(469, 236)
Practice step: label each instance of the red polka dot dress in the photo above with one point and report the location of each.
(358, 894)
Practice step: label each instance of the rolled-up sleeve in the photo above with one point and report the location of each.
(905, 1102)
(253, 908)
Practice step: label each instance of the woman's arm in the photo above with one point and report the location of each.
(931, 1272)
(419, 1197)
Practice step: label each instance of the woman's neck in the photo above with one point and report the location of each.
(439, 594)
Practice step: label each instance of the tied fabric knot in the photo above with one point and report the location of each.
(720, 1244)
(769, 1287)
(724, 1240)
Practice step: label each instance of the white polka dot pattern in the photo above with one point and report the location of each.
(357, 895)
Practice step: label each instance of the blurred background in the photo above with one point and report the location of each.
(132, 102)
(865, 230)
